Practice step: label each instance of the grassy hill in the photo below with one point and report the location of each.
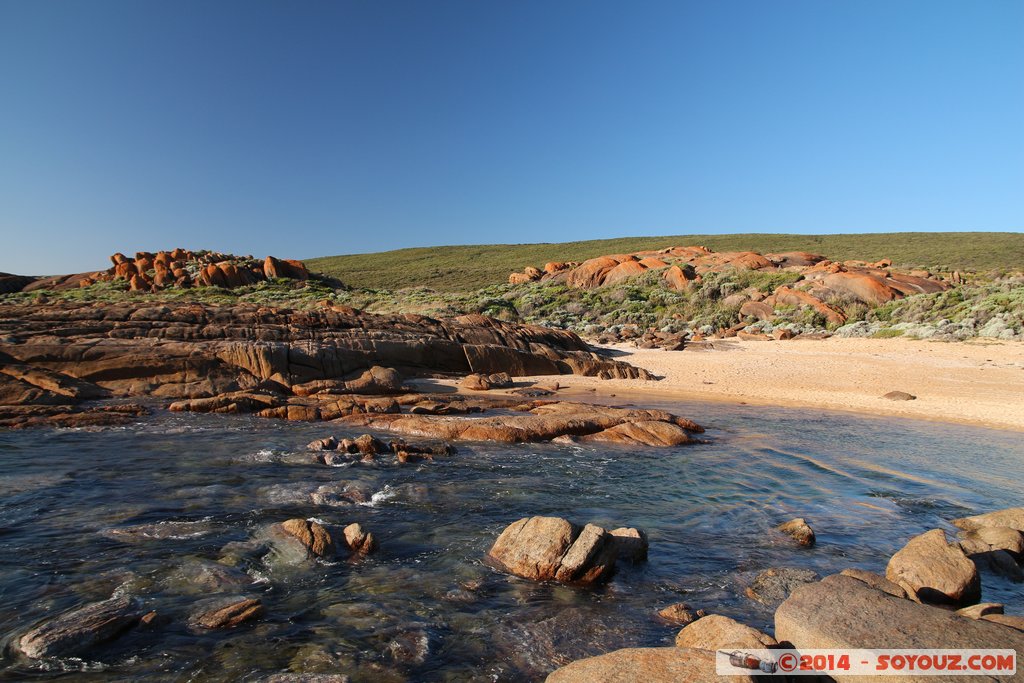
(466, 268)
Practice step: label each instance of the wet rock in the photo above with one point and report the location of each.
(935, 571)
(160, 531)
(80, 630)
(650, 664)
(858, 616)
(642, 433)
(715, 632)
(359, 541)
(1012, 518)
(341, 494)
(326, 444)
(204, 576)
(680, 614)
(800, 531)
(899, 396)
(546, 548)
(409, 646)
(630, 544)
(772, 586)
(227, 612)
(299, 541)
(876, 581)
(370, 445)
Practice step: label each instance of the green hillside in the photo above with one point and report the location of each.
(466, 268)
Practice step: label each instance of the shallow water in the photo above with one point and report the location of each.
(424, 608)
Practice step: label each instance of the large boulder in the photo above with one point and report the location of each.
(312, 535)
(934, 570)
(647, 664)
(842, 612)
(551, 548)
(80, 630)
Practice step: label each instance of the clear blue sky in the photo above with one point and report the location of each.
(315, 128)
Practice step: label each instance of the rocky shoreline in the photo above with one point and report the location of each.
(103, 364)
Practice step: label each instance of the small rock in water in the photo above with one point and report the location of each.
(228, 612)
(545, 548)
(79, 630)
(310, 534)
(327, 444)
(800, 531)
(630, 544)
(772, 586)
(359, 541)
(899, 396)
(680, 614)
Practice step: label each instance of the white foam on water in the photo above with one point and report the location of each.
(387, 493)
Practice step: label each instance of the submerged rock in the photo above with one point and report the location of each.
(227, 612)
(935, 571)
(772, 586)
(800, 531)
(680, 614)
(79, 630)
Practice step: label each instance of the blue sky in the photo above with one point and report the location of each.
(316, 128)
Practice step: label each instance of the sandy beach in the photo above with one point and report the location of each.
(979, 382)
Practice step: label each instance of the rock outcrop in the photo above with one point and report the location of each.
(822, 280)
(178, 268)
(551, 548)
(318, 364)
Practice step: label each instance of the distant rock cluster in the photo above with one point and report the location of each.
(179, 268)
(821, 280)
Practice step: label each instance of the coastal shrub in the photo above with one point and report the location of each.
(887, 333)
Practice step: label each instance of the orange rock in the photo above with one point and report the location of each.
(623, 271)
(677, 278)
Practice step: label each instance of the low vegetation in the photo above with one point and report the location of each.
(468, 268)
(987, 304)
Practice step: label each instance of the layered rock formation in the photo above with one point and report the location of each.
(307, 365)
(149, 271)
(822, 280)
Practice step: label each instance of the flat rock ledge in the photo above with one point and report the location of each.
(647, 664)
(544, 421)
(553, 549)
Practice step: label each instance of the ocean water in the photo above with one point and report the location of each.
(425, 607)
